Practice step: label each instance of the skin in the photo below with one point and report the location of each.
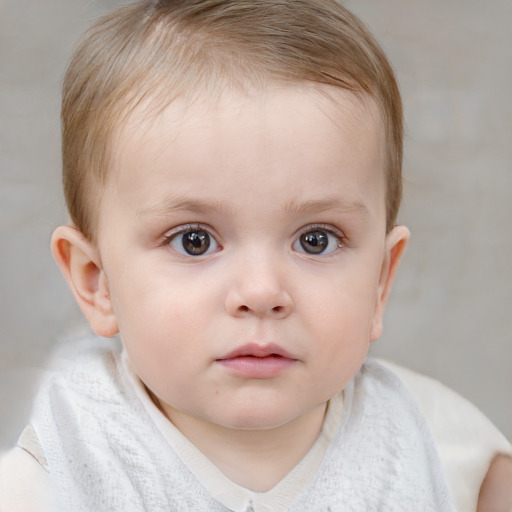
(255, 173)
(496, 491)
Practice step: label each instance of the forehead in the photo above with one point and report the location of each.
(341, 106)
(154, 121)
(291, 137)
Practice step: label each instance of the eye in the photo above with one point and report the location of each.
(193, 242)
(317, 241)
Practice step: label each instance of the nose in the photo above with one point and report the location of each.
(259, 290)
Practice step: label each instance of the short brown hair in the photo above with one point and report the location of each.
(166, 48)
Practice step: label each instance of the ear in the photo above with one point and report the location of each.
(80, 263)
(396, 242)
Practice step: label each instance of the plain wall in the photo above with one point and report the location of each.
(451, 310)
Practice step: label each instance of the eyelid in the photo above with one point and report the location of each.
(324, 227)
(329, 229)
(186, 228)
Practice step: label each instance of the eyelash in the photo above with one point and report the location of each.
(310, 228)
(188, 228)
(324, 227)
(339, 235)
(181, 230)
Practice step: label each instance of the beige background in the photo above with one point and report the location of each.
(451, 312)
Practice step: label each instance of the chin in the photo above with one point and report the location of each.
(258, 419)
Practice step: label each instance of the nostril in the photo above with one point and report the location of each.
(276, 309)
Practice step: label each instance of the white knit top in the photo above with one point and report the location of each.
(19, 471)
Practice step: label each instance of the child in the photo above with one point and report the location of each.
(233, 174)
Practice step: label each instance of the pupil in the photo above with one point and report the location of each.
(314, 242)
(196, 242)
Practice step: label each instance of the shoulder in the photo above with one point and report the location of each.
(25, 484)
(466, 439)
(496, 491)
(453, 419)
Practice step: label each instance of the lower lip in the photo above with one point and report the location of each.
(257, 367)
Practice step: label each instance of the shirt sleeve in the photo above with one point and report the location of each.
(466, 439)
(25, 484)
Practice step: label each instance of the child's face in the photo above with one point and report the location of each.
(244, 246)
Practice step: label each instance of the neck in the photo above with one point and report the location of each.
(255, 459)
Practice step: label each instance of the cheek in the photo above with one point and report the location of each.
(340, 318)
(344, 303)
(163, 318)
(160, 338)
(158, 297)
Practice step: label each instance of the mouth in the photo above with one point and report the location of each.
(255, 361)
(259, 351)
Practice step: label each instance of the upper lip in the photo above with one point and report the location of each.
(257, 350)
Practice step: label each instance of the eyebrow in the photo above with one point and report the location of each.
(293, 207)
(198, 206)
(327, 204)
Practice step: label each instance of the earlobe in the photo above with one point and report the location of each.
(79, 261)
(396, 242)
